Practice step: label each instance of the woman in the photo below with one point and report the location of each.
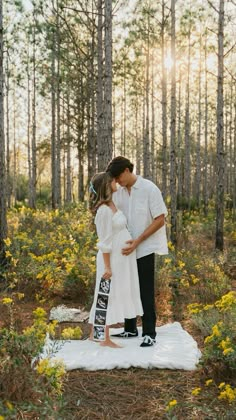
(124, 297)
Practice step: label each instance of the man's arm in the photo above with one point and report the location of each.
(157, 223)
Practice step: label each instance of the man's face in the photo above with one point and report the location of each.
(124, 178)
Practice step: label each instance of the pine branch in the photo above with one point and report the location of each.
(212, 5)
(229, 50)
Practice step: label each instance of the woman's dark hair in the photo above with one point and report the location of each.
(100, 191)
(118, 165)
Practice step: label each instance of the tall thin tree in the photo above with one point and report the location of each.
(3, 217)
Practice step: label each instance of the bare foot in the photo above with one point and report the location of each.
(109, 343)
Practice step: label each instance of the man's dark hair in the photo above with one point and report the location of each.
(118, 165)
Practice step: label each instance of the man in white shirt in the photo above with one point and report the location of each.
(142, 203)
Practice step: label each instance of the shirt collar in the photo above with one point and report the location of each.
(137, 182)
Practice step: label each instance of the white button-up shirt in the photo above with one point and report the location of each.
(141, 206)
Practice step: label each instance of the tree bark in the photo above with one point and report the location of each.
(220, 160)
(107, 146)
(173, 131)
(164, 105)
(3, 216)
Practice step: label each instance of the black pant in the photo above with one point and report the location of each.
(146, 270)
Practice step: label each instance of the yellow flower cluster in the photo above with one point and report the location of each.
(194, 279)
(54, 372)
(171, 405)
(215, 332)
(7, 301)
(71, 333)
(7, 241)
(226, 302)
(171, 246)
(228, 393)
(196, 391)
(209, 382)
(195, 308)
(184, 282)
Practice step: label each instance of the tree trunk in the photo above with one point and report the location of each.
(29, 126)
(164, 105)
(198, 151)
(205, 187)
(146, 144)
(53, 118)
(68, 154)
(32, 197)
(187, 169)
(173, 131)
(8, 178)
(220, 160)
(100, 104)
(107, 141)
(58, 108)
(153, 162)
(3, 217)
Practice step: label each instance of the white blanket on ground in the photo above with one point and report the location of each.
(174, 349)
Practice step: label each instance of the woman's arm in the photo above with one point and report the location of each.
(107, 273)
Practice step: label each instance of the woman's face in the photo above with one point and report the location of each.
(113, 185)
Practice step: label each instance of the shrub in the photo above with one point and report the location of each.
(52, 253)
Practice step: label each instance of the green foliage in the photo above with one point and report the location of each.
(52, 252)
(21, 384)
(217, 321)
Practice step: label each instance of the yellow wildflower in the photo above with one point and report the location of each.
(209, 382)
(196, 391)
(208, 339)
(226, 302)
(8, 254)
(171, 405)
(9, 405)
(71, 333)
(228, 394)
(39, 313)
(7, 241)
(222, 385)
(224, 344)
(171, 246)
(7, 301)
(2, 418)
(184, 282)
(167, 260)
(228, 351)
(215, 331)
(181, 264)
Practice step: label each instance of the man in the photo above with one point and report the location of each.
(142, 203)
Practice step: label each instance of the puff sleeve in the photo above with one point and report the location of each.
(103, 223)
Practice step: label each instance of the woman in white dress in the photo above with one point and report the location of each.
(124, 297)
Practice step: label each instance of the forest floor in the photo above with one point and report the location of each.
(135, 393)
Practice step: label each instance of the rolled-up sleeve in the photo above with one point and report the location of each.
(103, 223)
(156, 203)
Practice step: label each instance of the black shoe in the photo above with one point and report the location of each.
(126, 334)
(148, 341)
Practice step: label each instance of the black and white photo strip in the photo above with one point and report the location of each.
(101, 310)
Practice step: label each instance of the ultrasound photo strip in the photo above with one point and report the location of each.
(101, 310)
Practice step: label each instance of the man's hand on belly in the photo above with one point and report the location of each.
(132, 245)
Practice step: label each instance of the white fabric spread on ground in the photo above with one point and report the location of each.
(174, 349)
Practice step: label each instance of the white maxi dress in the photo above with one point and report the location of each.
(124, 298)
